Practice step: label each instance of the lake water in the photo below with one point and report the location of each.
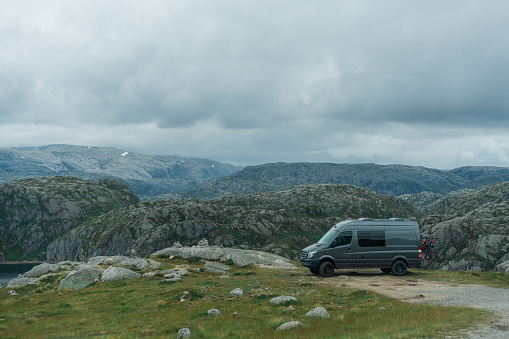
(11, 271)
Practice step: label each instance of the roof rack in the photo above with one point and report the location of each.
(366, 219)
(397, 219)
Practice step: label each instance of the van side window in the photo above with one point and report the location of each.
(371, 239)
(345, 238)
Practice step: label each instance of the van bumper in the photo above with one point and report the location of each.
(311, 263)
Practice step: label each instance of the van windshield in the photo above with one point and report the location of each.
(328, 237)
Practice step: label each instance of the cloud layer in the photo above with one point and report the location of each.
(262, 81)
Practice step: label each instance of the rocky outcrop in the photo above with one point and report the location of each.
(278, 222)
(80, 277)
(33, 212)
(471, 228)
(118, 273)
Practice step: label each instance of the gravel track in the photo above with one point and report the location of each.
(410, 289)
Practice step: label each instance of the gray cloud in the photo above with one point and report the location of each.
(260, 81)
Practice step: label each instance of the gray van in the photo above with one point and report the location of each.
(392, 245)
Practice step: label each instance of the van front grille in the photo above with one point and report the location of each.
(303, 255)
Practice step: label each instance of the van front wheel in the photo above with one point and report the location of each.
(399, 268)
(326, 269)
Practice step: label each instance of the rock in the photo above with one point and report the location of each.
(177, 245)
(289, 309)
(186, 296)
(217, 266)
(173, 277)
(238, 292)
(12, 292)
(184, 333)
(289, 325)
(183, 271)
(203, 242)
(41, 269)
(239, 257)
(154, 273)
(80, 278)
(503, 267)
(318, 312)
(16, 282)
(124, 261)
(118, 273)
(282, 300)
(214, 312)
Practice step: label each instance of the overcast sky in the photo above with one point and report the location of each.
(249, 82)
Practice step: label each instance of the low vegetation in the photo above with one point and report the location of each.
(152, 307)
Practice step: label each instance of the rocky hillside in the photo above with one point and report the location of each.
(385, 179)
(472, 228)
(35, 211)
(279, 222)
(145, 174)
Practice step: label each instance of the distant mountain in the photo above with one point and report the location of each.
(385, 179)
(145, 174)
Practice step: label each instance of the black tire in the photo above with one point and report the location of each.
(386, 270)
(399, 268)
(326, 269)
(314, 271)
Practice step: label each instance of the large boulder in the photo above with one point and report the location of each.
(239, 257)
(118, 273)
(41, 269)
(80, 278)
(16, 282)
(282, 300)
(289, 325)
(124, 261)
(503, 267)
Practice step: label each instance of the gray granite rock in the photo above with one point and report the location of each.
(120, 260)
(16, 282)
(289, 325)
(318, 312)
(237, 292)
(118, 273)
(184, 333)
(282, 300)
(41, 269)
(214, 312)
(173, 277)
(503, 267)
(240, 257)
(80, 278)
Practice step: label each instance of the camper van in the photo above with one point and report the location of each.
(392, 245)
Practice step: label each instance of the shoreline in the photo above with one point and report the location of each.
(21, 262)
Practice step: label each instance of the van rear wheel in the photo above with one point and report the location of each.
(326, 269)
(399, 268)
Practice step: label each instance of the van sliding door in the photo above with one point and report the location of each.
(370, 247)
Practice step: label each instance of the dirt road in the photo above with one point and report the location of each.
(411, 289)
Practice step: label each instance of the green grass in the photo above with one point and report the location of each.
(147, 307)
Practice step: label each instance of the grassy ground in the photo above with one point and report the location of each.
(151, 307)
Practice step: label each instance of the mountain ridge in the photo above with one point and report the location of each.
(145, 174)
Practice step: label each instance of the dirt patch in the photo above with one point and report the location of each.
(402, 288)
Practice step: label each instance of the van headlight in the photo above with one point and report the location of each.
(311, 254)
